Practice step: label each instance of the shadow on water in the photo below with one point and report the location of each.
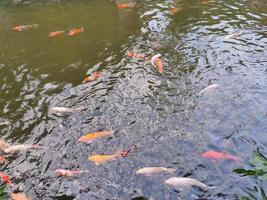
(166, 115)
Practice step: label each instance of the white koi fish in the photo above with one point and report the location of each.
(69, 173)
(20, 147)
(182, 181)
(60, 111)
(154, 170)
(210, 87)
(233, 35)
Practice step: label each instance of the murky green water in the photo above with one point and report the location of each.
(163, 114)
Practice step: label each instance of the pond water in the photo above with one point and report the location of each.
(166, 115)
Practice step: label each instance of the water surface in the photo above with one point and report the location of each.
(161, 113)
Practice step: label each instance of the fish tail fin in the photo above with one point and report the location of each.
(82, 29)
(81, 108)
(170, 170)
(36, 146)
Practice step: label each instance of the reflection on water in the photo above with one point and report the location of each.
(163, 114)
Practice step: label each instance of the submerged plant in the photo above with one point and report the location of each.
(3, 194)
(259, 170)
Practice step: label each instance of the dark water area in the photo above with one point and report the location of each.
(166, 115)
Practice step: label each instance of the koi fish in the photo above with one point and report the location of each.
(55, 33)
(210, 87)
(75, 31)
(215, 155)
(20, 147)
(101, 159)
(19, 196)
(181, 181)
(93, 136)
(233, 35)
(24, 27)
(136, 55)
(5, 178)
(3, 144)
(154, 170)
(205, 2)
(157, 63)
(175, 10)
(60, 111)
(3, 160)
(93, 77)
(68, 173)
(125, 5)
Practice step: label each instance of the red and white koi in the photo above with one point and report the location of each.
(93, 77)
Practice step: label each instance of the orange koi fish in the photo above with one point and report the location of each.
(175, 10)
(141, 56)
(6, 179)
(68, 173)
(19, 196)
(215, 155)
(125, 5)
(55, 33)
(157, 63)
(93, 77)
(101, 159)
(205, 2)
(24, 27)
(93, 136)
(75, 31)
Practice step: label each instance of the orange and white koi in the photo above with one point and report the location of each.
(93, 136)
(132, 54)
(93, 77)
(215, 155)
(55, 33)
(181, 181)
(24, 27)
(154, 170)
(101, 159)
(69, 173)
(125, 5)
(157, 63)
(5, 178)
(75, 31)
(19, 196)
(175, 10)
(20, 147)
